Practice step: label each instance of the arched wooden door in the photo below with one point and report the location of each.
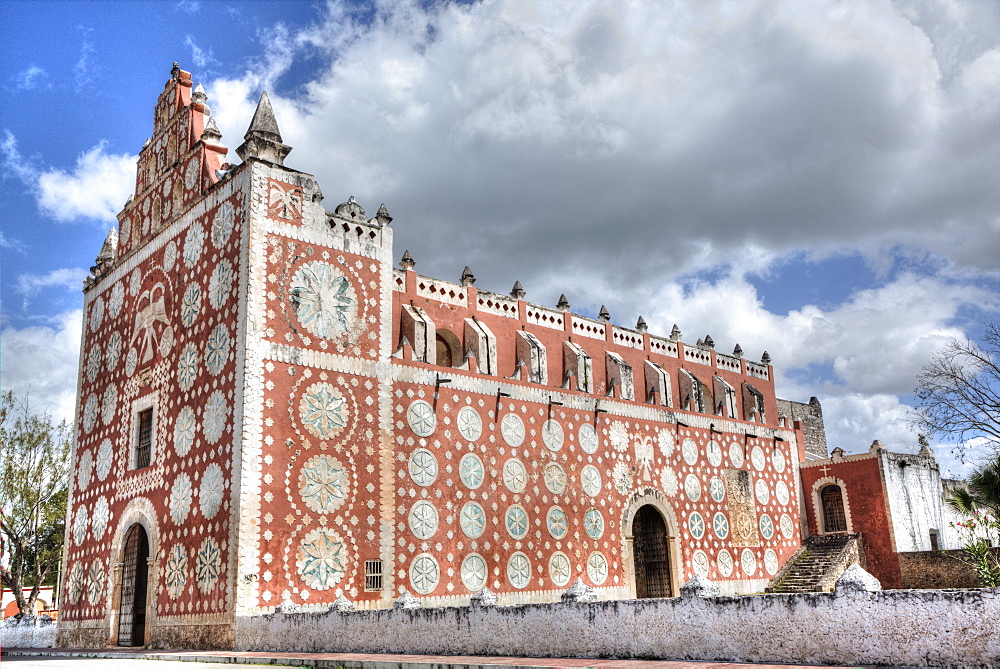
(135, 574)
(650, 554)
(834, 518)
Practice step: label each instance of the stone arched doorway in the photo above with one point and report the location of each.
(134, 581)
(650, 554)
(832, 502)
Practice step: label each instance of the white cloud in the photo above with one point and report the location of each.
(30, 78)
(201, 58)
(43, 360)
(96, 187)
(68, 278)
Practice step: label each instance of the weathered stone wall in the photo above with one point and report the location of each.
(937, 569)
(813, 429)
(916, 503)
(907, 627)
(27, 635)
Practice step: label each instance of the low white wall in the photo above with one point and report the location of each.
(27, 635)
(909, 627)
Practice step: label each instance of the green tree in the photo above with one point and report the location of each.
(980, 503)
(959, 392)
(34, 477)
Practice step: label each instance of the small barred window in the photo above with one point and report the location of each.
(373, 575)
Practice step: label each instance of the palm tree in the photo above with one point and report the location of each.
(982, 493)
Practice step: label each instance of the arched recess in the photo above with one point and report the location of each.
(650, 497)
(821, 510)
(139, 512)
(449, 349)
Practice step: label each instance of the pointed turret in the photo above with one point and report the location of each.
(105, 257)
(604, 316)
(382, 216)
(468, 278)
(563, 304)
(640, 325)
(407, 262)
(675, 333)
(517, 292)
(211, 133)
(263, 139)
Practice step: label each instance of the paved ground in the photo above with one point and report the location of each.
(172, 659)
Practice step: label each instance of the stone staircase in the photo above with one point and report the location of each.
(818, 564)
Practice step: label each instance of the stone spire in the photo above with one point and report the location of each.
(604, 316)
(263, 139)
(517, 292)
(407, 261)
(468, 278)
(738, 351)
(382, 216)
(563, 304)
(675, 333)
(640, 325)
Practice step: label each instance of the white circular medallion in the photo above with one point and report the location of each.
(423, 519)
(787, 526)
(590, 480)
(766, 527)
(696, 525)
(717, 489)
(689, 450)
(692, 487)
(588, 438)
(424, 574)
(771, 561)
(720, 525)
(597, 568)
(760, 489)
(699, 561)
(519, 570)
(555, 478)
(515, 477)
(724, 563)
(516, 521)
(748, 561)
(552, 435)
(778, 460)
(470, 425)
(593, 523)
(736, 455)
(421, 418)
(757, 458)
(473, 520)
(423, 467)
(781, 493)
(474, 572)
(512, 430)
(323, 299)
(714, 453)
(557, 522)
(560, 570)
(470, 470)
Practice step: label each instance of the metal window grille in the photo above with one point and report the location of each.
(144, 444)
(373, 575)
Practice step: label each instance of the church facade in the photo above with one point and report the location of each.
(273, 415)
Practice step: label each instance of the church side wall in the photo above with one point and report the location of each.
(916, 502)
(912, 628)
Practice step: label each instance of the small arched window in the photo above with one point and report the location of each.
(449, 349)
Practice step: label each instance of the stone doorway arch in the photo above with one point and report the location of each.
(651, 557)
(134, 585)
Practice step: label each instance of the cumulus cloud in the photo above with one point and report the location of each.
(518, 138)
(43, 360)
(96, 187)
(67, 278)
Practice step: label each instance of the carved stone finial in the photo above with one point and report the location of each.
(199, 95)
(675, 333)
(925, 447)
(640, 325)
(107, 255)
(876, 446)
(709, 342)
(517, 292)
(263, 139)
(468, 278)
(350, 210)
(699, 586)
(407, 262)
(175, 70)
(579, 592)
(604, 315)
(382, 216)
(766, 358)
(700, 342)
(738, 351)
(856, 580)
(211, 134)
(484, 599)
(406, 601)
(342, 604)
(563, 304)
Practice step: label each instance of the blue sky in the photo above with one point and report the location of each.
(820, 180)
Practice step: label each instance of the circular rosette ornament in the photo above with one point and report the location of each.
(323, 484)
(323, 410)
(321, 559)
(323, 300)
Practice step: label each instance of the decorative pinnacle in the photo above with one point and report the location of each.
(517, 292)
(766, 358)
(407, 262)
(211, 131)
(738, 351)
(263, 139)
(468, 278)
(563, 304)
(198, 95)
(604, 316)
(675, 333)
(383, 216)
(640, 325)
(175, 70)
(709, 342)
